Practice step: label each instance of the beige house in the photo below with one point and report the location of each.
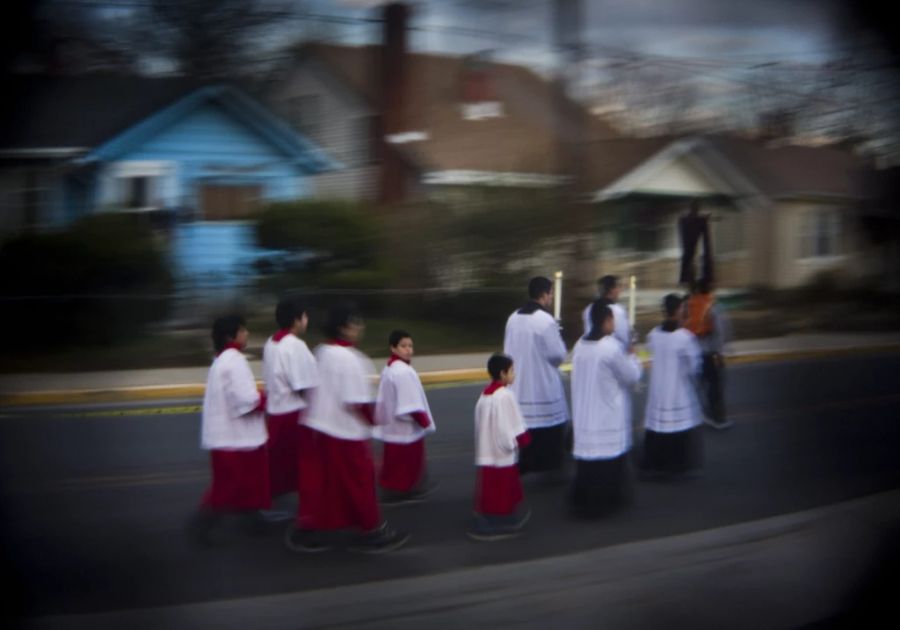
(780, 216)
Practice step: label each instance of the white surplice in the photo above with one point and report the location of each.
(672, 398)
(602, 379)
(537, 349)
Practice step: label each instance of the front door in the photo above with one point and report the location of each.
(229, 203)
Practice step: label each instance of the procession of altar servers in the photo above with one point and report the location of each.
(321, 414)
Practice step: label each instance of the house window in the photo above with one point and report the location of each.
(136, 193)
(137, 189)
(639, 238)
(140, 185)
(305, 113)
(727, 232)
(820, 235)
(482, 110)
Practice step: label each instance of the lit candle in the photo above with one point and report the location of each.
(557, 294)
(632, 296)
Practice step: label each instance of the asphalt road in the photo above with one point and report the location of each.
(94, 501)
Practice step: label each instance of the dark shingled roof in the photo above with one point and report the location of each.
(777, 171)
(792, 170)
(83, 111)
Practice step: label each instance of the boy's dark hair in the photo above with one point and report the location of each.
(498, 363)
(225, 330)
(671, 304)
(397, 336)
(538, 286)
(339, 316)
(607, 284)
(600, 311)
(288, 311)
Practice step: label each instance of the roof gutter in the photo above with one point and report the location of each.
(44, 153)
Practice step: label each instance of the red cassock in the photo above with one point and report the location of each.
(403, 465)
(283, 441)
(337, 483)
(240, 480)
(498, 490)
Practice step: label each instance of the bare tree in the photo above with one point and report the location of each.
(54, 38)
(208, 38)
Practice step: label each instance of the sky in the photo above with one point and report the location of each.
(722, 47)
(521, 31)
(764, 30)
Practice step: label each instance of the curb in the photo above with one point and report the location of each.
(441, 377)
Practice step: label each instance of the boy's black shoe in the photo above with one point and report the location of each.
(276, 516)
(418, 495)
(381, 540)
(304, 541)
(491, 528)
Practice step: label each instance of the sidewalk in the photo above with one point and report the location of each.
(787, 571)
(188, 383)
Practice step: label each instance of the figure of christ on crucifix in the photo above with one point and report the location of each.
(694, 228)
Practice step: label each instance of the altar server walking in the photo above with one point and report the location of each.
(534, 343)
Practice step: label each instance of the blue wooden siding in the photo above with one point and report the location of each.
(215, 137)
(210, 146)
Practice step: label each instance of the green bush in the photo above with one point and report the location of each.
(100, 281)
(341, 232)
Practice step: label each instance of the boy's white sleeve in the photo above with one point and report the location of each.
(241, 394)
(510, 418)
(554, 346)
(355, 387)
(504, 424)
(409, 393)
(628, 368)
(301, 369)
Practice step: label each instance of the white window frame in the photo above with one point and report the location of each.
(812, 222)
(482, 110)
(159, 174)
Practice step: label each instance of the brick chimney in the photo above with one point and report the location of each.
(393, 175)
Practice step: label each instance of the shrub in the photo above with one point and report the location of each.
(98, 282)
(340, 231)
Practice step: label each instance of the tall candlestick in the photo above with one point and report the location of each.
(557, 294)
(632, 296)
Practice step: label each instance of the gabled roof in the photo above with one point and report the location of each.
(101, 116)
(525, 139)
(748, 166)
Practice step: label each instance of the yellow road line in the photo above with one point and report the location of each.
(441, 378)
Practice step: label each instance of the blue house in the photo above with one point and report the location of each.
(208, 155)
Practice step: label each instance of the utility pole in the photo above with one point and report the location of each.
(572, 129)
(393, 76)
